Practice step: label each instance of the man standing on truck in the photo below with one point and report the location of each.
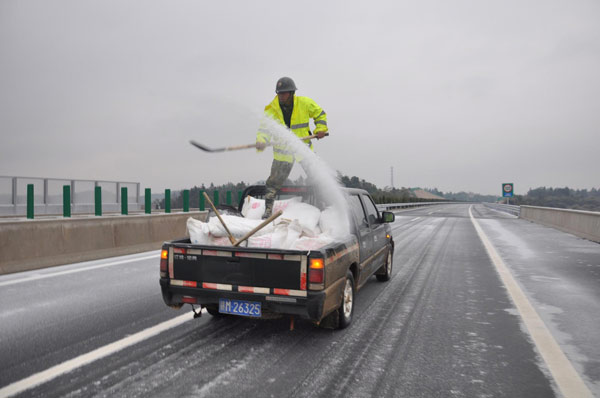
(294, 112)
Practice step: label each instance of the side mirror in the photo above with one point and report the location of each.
(388, 216)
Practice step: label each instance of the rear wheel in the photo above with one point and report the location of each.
(214, 311)
(388, 267)
(346, 310)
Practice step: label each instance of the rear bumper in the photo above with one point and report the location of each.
(309, 307)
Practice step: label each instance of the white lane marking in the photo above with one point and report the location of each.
(416, 218)
(72, 364)
(565, 375)
(72, 271)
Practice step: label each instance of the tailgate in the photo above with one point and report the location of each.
(241, 271)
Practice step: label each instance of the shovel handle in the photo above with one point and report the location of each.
(231, 238)
(259, 227)
(312, 136)
(235, 148)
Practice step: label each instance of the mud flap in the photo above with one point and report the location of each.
(331, 321)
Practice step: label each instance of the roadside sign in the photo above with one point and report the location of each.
(507, 190)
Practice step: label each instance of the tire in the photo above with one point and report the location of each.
(388, 267)
(214, 311)
(346, 310)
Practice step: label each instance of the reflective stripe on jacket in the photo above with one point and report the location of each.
(304, 109)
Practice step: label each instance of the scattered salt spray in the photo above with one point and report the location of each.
(323, 177)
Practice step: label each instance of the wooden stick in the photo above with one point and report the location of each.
(235, 148)
(259, 227)
(231, 238)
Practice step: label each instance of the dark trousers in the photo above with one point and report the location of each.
(280, 171)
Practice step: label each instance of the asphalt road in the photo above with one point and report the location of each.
(443, 326)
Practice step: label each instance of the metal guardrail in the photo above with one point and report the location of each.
(48, 195)
(511, 209)
(396, 206)
(21, 195)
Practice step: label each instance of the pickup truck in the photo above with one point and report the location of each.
(317, 285)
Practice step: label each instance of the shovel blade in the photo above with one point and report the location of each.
(205, 148)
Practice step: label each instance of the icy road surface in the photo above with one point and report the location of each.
(443, 326)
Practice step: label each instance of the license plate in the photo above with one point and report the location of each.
(239, 307)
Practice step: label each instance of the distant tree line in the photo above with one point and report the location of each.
(563, 198)
(463, 196)
(385, 195)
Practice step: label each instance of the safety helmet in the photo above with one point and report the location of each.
(285, 84)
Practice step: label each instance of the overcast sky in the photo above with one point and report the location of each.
(457, 95)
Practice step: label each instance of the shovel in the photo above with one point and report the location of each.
(235, 148)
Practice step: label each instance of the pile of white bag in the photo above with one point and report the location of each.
(300, 227)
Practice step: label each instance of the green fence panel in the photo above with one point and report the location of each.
(186, 200)
(30, 201)
(98, 200)
(202, 204)
(124, 206)
(229, 198)
(66, 201)
(239, 196)
(167, 200)
(216, 198)
(148, 201)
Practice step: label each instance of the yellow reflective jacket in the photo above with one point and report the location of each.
(304, 109)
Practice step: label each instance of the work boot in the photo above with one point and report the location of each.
(268, 209)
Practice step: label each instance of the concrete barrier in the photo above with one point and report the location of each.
(33, 244)
(585, 224)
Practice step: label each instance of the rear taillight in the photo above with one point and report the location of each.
(189, 300)
(315, 270)
(164, 262)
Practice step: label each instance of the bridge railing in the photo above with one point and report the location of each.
(48, 196)
(36, 196)
(511, 209)
(585, 224)
(407, 205)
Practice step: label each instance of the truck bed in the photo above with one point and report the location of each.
(239, 269)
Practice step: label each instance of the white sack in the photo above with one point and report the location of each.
(294, 229)
(260, 241)
(333, 223)
(316, 231)
(198, 231)
(254, 208)
(283, 204)
(238, 226)
(219, 241)
(279, 236)
(307, 215)
(308, 243)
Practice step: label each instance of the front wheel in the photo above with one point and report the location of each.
(347, 308)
